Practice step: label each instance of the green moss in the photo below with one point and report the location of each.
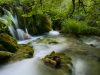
(46, 24)
(23, 52)
(59, 61)
(2, 48)
(4, 56)
(48, 40)
(38, 24)
(9, 42)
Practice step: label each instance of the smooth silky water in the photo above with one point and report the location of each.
(35, 66)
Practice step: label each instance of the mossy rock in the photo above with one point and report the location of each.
(46, 24)
(48, 40)
(38, 24)
(24, 51)
(59, 61)
(4, 56)
(9, 42)
(2, 48)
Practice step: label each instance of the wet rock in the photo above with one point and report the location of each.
(24, 51)
(48, 40)
(4, 56)
(2, 48)
(58, 61)
(38, 24)
(8, 42)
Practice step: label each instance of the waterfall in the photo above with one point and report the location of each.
(15, 21)
(53, 33)
(8, 19)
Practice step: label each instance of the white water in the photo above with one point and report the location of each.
(9, 19)
(32, 38)
(53, 33)
(15, 21)
(92, 40)
(33, 66)
(80, 67)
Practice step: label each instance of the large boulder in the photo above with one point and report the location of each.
(4, 56)
(8, 42)
(41, 24)
(37, 24)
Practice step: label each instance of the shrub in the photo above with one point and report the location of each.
(74, 26)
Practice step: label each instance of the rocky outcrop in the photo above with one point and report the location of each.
(38, 24)
(35, 23)
(8, 42)
(11, 51)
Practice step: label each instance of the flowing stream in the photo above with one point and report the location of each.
(34, 66)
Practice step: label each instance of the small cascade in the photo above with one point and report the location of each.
(20, 34)
(12, 31)
(9, 19)
(53, 33)
(15, 21)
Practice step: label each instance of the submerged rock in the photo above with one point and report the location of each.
(8, 42)
(58, 60)
(4, 56)
(48, 40)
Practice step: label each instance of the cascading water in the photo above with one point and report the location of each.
(53, 33)
(34, 66)
(16, 32)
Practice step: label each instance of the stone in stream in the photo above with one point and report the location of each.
(58, 61)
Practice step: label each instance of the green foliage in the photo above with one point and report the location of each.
(54, 8)
(74, 26)
(39, 24)
(2, 26)
(7, 1)
(84, 20)
(79, 27)
(5, 21)
(9, 42)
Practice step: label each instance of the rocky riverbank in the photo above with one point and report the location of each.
(11, 51)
